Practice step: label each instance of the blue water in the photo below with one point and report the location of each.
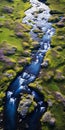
(21, 82)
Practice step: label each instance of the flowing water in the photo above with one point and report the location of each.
(37, 16)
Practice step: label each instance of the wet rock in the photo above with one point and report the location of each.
(54, 19)
(55, 12)
(45, 64)
(61, 37)
(41, 10)
(60, 24)
(8, 9)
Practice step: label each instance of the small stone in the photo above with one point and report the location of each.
(63, 19)
(52, 121)
(45, 64)
(7, 9)
(19, 34)
(60, 24)
(50, 103)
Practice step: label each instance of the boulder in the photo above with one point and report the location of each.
(8, 9)
(52, 121)
(59, 48)
(25, 105)
(45, 64)
(47, 117)
(60, 24)
(19, 34)
(11, 51)
(60, 97)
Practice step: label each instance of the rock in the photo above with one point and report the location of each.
(60, 97)
(55, 12)
(54, 19)
(25, 105)
(50, 104)
(41, 10)
(59, 48)
(59, 76)
(60, 24)
(61, 37)
(63, 19)
(52, 121)
(11, 51)
(22, 62)
(19, 34)
(7, 9)
(1, 24)
(47, 117)
(45, 64)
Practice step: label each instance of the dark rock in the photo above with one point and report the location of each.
(52, 121)
(24, 105)
(45, 64)
(60, 24)
(19, 34)
(59, 48)
(55, 12)
(11, 51)
(63, 19)
(7, 9)
(22, 62)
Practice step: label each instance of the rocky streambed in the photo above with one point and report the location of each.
(42, 31)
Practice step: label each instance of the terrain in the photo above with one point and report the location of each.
(15, 50)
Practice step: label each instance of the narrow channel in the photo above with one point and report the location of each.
(37, 17)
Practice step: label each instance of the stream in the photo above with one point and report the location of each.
(37, 16)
